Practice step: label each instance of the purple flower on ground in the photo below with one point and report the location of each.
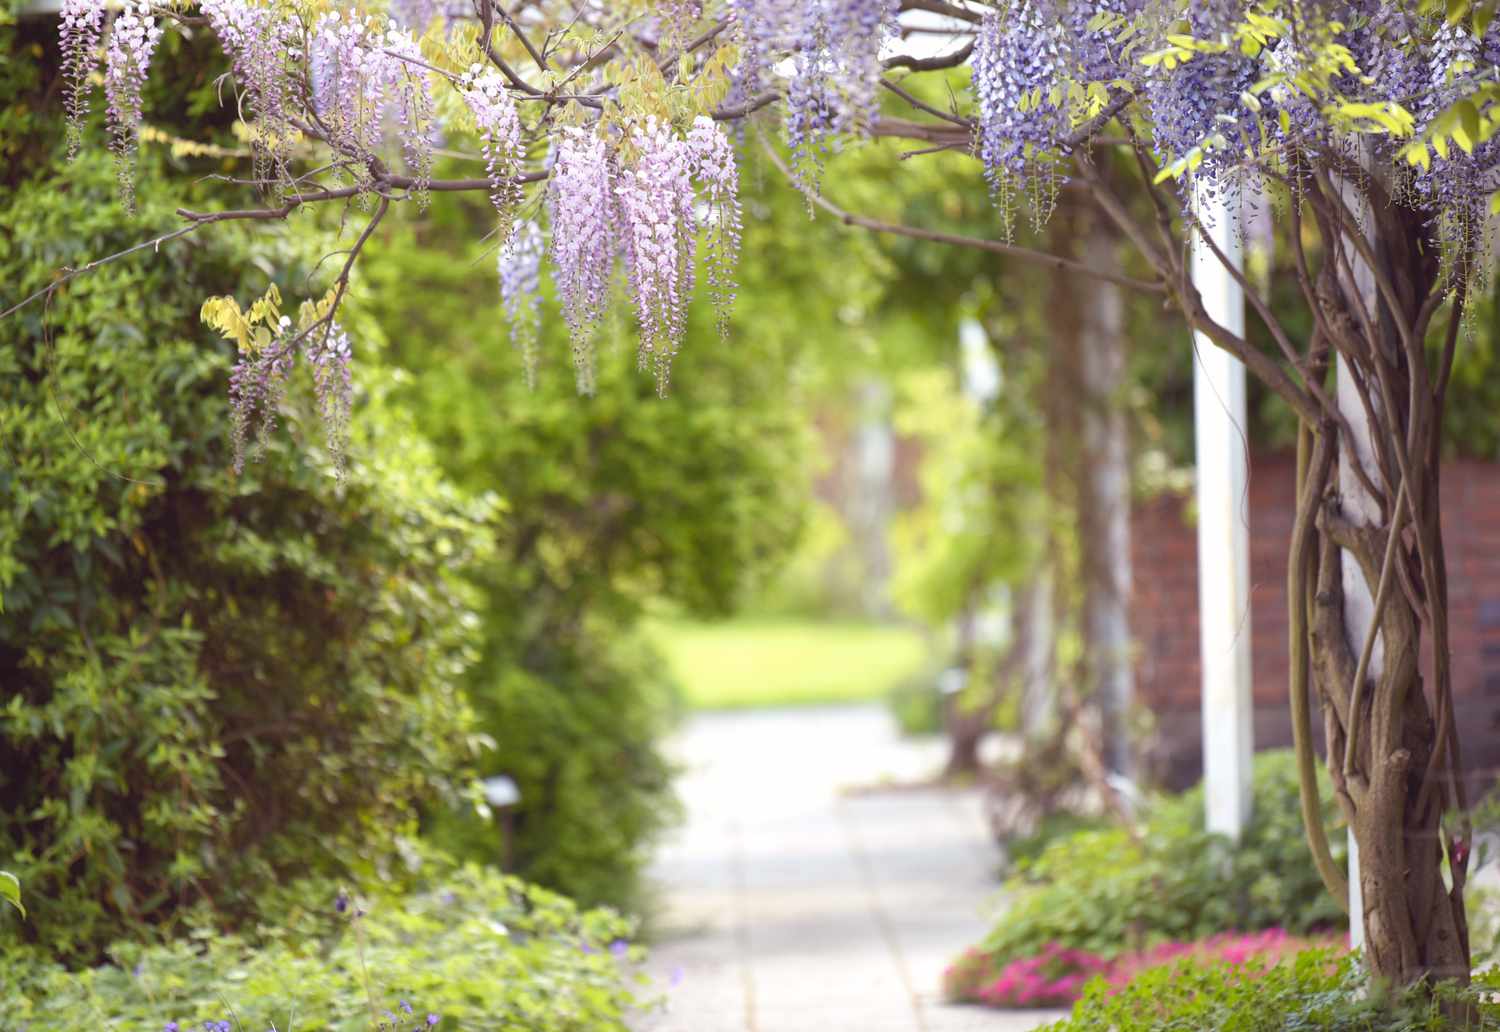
(620, 949)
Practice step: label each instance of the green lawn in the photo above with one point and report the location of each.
(787, 662)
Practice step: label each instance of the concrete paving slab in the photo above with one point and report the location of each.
(794, 899)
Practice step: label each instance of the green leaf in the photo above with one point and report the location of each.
(10, 891)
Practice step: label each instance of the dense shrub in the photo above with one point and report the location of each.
(580, 738)
(1314, 990)
(478, 951)
(210, 682)
(1107, 891)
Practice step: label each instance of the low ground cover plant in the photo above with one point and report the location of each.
(1315, 989)
(1111, 891)
(477, 950)
(1056, 976)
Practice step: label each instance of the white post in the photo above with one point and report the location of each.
(1223, 522)
(1358, 505)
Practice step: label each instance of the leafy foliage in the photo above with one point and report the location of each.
(210, 681)
(1314, 991)
(478, 951)
(1106, 892)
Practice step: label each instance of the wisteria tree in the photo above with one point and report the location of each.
(607, 133)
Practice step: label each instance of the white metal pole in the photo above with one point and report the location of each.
(1219, 434)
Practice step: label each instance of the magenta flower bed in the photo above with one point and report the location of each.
(1055, 977)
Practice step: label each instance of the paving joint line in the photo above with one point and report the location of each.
(742, 921)
(878, 912)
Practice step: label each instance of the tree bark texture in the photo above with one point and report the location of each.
(1372, 570)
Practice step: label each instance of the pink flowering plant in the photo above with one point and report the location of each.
(1056, 976)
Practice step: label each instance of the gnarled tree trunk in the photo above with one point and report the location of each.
(1368, 577)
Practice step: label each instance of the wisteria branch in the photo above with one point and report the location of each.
(977, 243)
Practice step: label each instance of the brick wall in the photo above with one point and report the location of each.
(1165, 612)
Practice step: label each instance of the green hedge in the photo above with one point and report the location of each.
(211, 683)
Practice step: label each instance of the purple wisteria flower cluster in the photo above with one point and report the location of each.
(258, 45)
(1017, 57)
(717, 172)
(499, 125)
(581, 207)
(834, 83)
(133, 38)
(361, 69)
(258, 385)
(80, 28)
(655, 195)
(520, 270)
(640, 205)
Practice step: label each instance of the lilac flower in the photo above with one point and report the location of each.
(619, 949)
(81, 24)
(127, 61)
(432, 1019)
(581, 205)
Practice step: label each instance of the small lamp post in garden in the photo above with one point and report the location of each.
(503, 795)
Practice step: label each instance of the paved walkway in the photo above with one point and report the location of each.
(789, 905)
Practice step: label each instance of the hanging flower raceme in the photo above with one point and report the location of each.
(717, 172)
(856, 31)
(330, 355)
(361, 70)
(760, 28)
(80, 28)
(258, 44)
(519, 266)
(347, 82)
(127, 61)
(1015, 61)
(811, 99)
(582, 209)
(1199, 102)
(499, 125)
(268, 343)
(656, 203)
(257, 387)
(407, 82)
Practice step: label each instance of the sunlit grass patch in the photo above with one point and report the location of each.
(787, 662)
